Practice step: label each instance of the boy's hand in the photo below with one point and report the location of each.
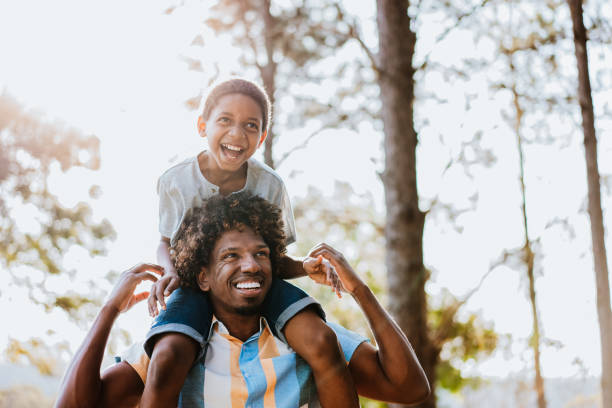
(161, 289)
(123, 297)
(322, 272)
(345, 273)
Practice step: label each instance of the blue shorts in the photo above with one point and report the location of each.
(188, 311)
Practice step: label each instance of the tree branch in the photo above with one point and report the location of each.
(300, 146)
(447, 31)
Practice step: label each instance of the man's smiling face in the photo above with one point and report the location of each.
(239, 274)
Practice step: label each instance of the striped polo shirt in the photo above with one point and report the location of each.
(259, 372)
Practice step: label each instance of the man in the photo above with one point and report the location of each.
(230, 248)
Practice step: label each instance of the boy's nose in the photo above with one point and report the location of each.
(235, 130)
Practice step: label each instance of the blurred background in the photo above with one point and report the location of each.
(478, 238)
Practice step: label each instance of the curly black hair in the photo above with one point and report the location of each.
(204, 225)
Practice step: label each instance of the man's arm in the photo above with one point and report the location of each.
(120, 385)
(392, 371)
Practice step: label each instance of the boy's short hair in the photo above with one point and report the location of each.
(240, 86)
(204, 225)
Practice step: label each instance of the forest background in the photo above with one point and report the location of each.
(491, 255)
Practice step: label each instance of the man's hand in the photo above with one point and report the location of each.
(349, 279)
(161, 289)
(123, 297)
(322, 272)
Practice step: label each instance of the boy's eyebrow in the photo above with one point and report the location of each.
(249, 118)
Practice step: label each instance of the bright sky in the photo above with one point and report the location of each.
(115, 69)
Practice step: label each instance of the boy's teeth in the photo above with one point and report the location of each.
(248, 285)
(232, 148)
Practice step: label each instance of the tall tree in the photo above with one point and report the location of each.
(528, 254)
(600, 261)
(405, 221)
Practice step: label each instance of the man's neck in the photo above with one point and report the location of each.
(240, 326)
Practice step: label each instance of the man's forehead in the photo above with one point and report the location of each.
(238, 238)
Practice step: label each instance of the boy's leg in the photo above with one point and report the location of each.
(299, 320)
(317, 344)
(173, 356)
(173, 344)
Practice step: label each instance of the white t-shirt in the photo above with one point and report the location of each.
(183, 186)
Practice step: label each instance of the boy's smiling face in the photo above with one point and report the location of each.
(234, 131)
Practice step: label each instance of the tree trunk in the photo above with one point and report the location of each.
(528, 255)
(405, 221)
(268, 75)
(604, 311)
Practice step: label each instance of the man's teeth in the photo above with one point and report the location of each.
(248, 285)
(232, 148)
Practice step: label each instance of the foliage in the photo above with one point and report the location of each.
(37, 353)
(351, 223)
(288, 46)
(31, 151)
(24, 396)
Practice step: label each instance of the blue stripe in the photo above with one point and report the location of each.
(253, 372)
(192, 393)
(287, 390)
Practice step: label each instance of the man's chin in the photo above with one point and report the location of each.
(248, 310)
(249, 307)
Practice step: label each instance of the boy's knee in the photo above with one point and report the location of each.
(173, 354)
(322, 345)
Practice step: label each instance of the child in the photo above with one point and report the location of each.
(235, 119)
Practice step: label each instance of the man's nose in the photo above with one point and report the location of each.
(249, 264)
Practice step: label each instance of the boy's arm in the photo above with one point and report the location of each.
(120, 385)
(392, 372)
(168, 282)
(291, 268)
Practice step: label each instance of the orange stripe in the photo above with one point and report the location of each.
(267, 345)
(268, 369)
(239, 391)
(267, 351)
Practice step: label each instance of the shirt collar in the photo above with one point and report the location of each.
(218, 327)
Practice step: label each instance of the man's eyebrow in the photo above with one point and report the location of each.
(226, 249)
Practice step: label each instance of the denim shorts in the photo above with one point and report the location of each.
(188, 311)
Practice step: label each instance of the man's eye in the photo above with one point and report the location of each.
(224, 119)
(229, 255)
(264, 254)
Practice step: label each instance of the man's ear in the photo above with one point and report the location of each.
(203, 280)
(201, 126)
(262, 138)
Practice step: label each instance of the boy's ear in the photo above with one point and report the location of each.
(201, 126)
(262, 138)
(203, 280)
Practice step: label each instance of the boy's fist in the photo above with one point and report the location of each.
(321, 271)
